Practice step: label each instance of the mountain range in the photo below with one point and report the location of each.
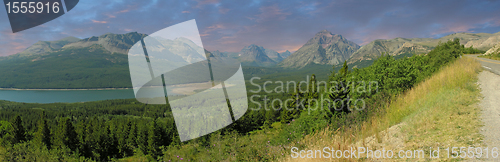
(255, 55)
(102, 60)
(95, 62)
(394, 47)
(323, 48)
(409, 46)
(47, 46)
(114, 43)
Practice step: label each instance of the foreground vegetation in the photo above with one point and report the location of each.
(438, 112)
(131, 131)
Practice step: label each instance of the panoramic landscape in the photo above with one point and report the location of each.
(311, 88)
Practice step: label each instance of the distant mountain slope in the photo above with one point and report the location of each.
(86, 67)
(285, 54)
(226, 54)
(394, 47)
(408, 46)
(184, 48)
(87, 63)
(275, 56)
(485, 44)
(179, 49)
(254, 55)
(323, 48)
(47, 46)
(118, 43)
(482, 41)
(494, 50)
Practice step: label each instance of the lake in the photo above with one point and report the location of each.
(69, 96)
(52, 96)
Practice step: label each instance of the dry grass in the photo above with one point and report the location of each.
(439, 112)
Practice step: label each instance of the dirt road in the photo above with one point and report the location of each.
(490, 105)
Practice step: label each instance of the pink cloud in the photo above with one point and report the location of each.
(99, 22)
(223, 10)
(216, 26)
(229, 42)
(12, 48)
(250, 18)
(186, 11)
(454, 28)
(16, 42)
(271, 13)
(213, 28)
(18, 46)
(227, 37)
(496, 22)
(123, 11)
(290, 48)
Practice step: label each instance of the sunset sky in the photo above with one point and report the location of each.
(278, 25)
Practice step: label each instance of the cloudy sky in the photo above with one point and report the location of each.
(279, 25)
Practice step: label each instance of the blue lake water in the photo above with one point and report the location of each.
(52, 96)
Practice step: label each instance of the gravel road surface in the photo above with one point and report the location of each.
(489, 82)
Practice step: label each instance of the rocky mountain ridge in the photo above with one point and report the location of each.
(323, 48)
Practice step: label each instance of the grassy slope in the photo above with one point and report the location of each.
(439, 112)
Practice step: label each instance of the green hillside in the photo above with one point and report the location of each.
(73, 68)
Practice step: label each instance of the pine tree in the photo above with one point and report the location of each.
(340, 93)
(111, 143)
(18, 130)
(43, 136)
(67, 136)
(142, 137)
(293, 108)
(131, 140)
(124, 149)
(268, 118)
(154, 139)
(83, 134)
(313, 89)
